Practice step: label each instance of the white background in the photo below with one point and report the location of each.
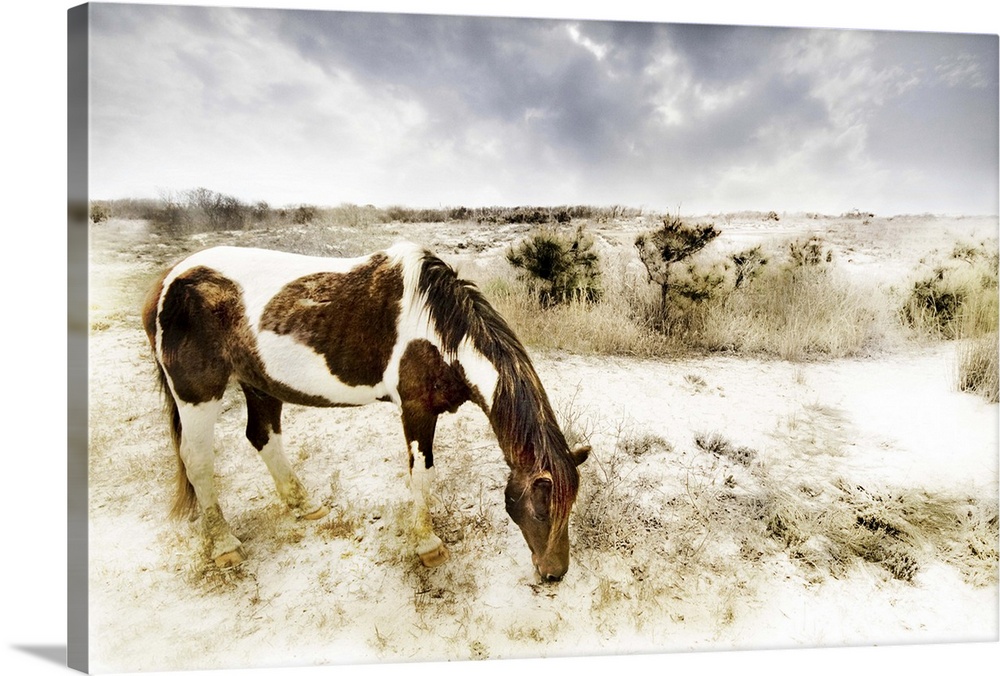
(33, 342)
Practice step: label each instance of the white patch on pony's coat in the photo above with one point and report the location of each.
(479, 371)
(421, 476)
(414, 319)
(421, 481)
(415, 323)
(289, 486)
(273, 456)
(196, 448)
(299, 367)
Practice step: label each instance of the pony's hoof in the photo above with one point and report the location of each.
(318, 514)
(230, 559)
(435, 557)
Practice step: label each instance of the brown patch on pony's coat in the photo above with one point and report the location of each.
(349, 318)
(425, 379)
(428, 386)
(263, 416)
(198, 313)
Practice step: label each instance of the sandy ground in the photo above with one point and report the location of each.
(310, 594)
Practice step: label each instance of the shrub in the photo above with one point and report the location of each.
(933, 307)
(260, 211)
(558, 268)
(809, 252)
(354, 216)
(219, 211)
(171, 215)
(303, 214)
(957, 298)
(99, 212)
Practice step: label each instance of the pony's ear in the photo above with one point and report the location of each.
(580, 453)
(541, 494)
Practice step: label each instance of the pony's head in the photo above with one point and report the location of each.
(540, 503)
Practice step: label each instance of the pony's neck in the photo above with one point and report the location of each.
(520, 413)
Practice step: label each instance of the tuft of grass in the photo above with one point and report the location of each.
(829, 528)
(642, 445)
(340, 524)
(978, 367)
(722, 447)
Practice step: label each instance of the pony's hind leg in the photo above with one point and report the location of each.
(198, 456)
(264, 433)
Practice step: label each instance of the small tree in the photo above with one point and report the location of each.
(747, 263)
(672, 242)
(809, 253)
(558, 267)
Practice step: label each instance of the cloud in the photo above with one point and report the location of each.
(385, 108)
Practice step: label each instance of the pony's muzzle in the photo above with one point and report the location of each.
(548, 572)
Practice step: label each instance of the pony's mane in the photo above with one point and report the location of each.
(520, 413)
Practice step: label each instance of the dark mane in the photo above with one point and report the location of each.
(520, 413)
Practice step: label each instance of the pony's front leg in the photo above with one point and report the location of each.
(198, 457)
(418, 427)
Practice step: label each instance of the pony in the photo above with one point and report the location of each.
(398, 326)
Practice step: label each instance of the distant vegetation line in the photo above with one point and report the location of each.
(207, 210)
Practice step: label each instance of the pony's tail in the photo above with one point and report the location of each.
(185, 501)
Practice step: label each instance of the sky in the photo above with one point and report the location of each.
(331, 107)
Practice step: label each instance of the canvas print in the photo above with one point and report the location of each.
(423, 337)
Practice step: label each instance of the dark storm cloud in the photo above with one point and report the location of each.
(460, 67)
(719, 54)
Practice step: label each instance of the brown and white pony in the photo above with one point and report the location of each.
(398, 326)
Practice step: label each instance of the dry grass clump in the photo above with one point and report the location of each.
(828, 527)
(722, 447)
(642, 445)
(607, 326)
(798, 314)
(955, 296)
(978, 368)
